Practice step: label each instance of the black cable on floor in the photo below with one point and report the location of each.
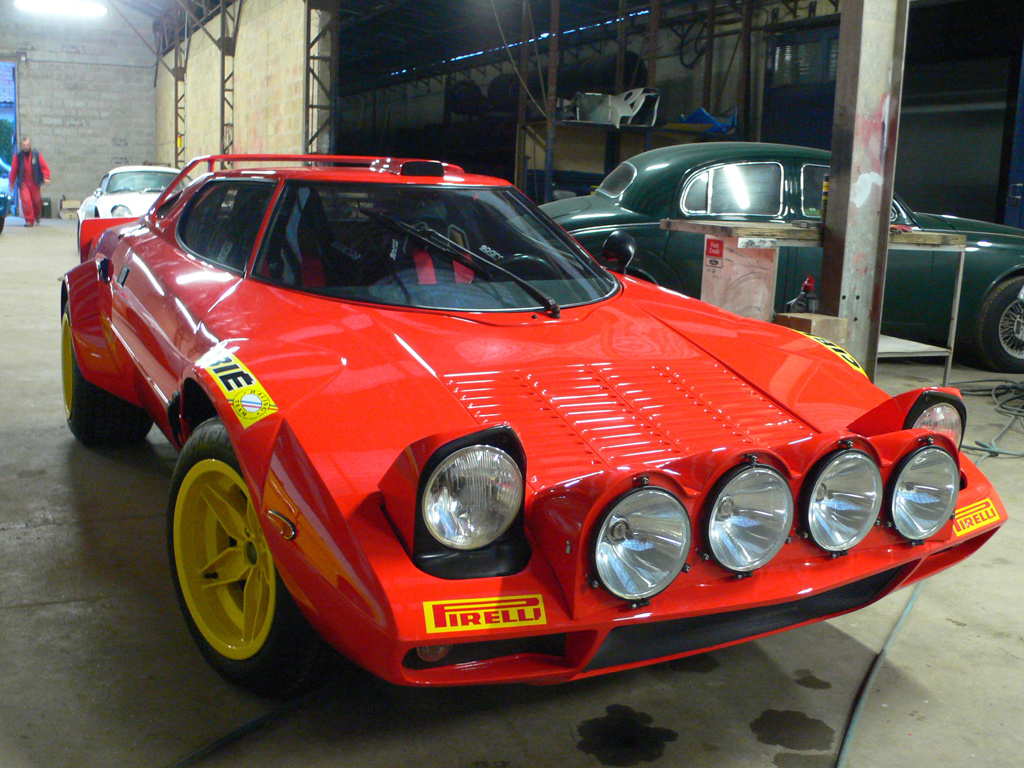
(869, 681)
(241, 732)
(1008, 399)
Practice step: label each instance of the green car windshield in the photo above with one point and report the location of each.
(436, 247)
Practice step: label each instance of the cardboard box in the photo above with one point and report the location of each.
(827, 327)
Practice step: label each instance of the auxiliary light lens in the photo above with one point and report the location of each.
(751, 518)
(924, 493)
(642, 544)
(844, 501)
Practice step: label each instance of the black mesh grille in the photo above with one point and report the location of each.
(642, 642)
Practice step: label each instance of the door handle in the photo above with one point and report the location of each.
(103, 269)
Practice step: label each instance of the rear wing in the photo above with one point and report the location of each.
(90, 230)
(398, 166)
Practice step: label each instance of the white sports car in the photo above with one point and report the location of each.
(128, 190)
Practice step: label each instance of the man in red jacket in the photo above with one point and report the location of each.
(30, 172)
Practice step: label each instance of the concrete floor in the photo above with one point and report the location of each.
(99, 670)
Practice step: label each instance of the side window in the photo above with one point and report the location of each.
(812, 179)
(749, 189)
(222, 221)
(695, 197)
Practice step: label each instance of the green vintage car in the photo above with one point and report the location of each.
(773, 182)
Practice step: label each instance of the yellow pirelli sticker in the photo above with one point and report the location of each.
(845, 356)
(484, 613)
(248, 399)
(976, 516)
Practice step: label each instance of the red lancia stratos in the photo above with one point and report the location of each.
(418, 423)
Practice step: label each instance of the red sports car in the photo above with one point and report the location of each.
(418, 422)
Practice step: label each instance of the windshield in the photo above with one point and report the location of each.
(139, 181)
(435, 247)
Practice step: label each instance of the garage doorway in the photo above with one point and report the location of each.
(8, 118)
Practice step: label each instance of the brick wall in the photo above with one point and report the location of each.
(85, 94)
(269, 69)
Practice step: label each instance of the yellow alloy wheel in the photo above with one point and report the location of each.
(67, 362)
(224, 567)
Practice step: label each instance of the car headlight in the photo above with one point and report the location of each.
(472, 497)
(938, 412)
(924, 493)
(642, 544)
(120, 211)
(751, 517)
(844, 501)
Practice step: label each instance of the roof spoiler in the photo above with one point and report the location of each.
(398, 166)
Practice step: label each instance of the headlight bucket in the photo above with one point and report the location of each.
(505, 554)
(750, 517)
(403, 487)
(841, 500)
(939, 412)
(120, 211)
(923, 492)
(642, 544)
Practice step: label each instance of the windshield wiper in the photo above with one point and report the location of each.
(475, 261)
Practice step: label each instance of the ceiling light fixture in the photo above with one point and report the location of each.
(77, 8)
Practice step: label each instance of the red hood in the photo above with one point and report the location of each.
(629, 384)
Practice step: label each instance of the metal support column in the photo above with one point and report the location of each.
(709, 55)
(178, 72)
(743, 87)
(319, 92)
(549, 147)
(230, 14)
(872, 39)
(524, 63)
(653, 23)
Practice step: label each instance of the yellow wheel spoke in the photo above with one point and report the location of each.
(225, 510)
(254, 603)
(226, 568)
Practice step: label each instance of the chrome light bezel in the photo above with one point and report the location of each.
(716, 537)
(610, 566)
(943, 508)
(826, 534)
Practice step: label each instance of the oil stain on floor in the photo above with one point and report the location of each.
(792, 730)
(623, 737)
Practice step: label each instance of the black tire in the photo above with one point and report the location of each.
(95, 416)
(999, 337)
(274, 653)
(3, 220)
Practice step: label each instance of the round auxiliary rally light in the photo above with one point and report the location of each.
(942, 418)
(751, 518)
(844, 501)
(642, 544)
(924, 493)
(472, 497)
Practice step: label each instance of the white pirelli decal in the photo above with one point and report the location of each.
(484, 613)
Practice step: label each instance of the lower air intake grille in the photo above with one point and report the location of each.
(642, 642)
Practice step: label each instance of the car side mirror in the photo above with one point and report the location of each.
(97, 192)
(618, 251)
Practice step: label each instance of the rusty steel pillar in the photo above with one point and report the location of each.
(869, 84)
